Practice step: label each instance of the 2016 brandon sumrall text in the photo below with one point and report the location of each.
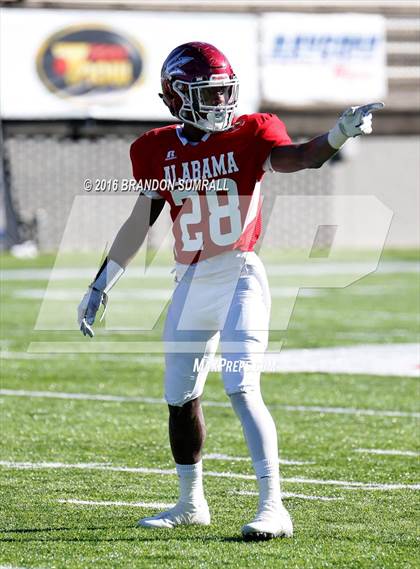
(189, 176)
(128, 185)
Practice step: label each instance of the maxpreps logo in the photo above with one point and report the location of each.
(84, 60)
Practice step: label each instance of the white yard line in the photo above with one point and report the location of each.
(360, 288)
(159, 293)
(16, 567)
(144, 358)
(7, 355)
(353, 485)
(217, 456)
(84, 466)
(368, 359)
(164, 506)
(142, 470)
(81, 396)
(73, 295)
(155, 400)
(152, 505)
(387, 452)
(279, 269)
(13, 567)
(347, 411)
(291, 495)
(141, 293)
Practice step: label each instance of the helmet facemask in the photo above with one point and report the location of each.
(208, 104)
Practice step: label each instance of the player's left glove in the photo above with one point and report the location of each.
(108, 275)
(353, 122)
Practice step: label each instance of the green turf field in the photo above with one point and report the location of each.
(77, 472)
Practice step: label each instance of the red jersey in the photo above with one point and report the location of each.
(212, 186)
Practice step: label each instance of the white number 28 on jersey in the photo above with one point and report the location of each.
(217, 212)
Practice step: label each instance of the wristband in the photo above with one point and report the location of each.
(108, 275)
(336, 137)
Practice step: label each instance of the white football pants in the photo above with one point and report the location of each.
(225, 298)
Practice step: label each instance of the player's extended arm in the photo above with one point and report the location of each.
(313, 154)
(134, 230)
(126, 244)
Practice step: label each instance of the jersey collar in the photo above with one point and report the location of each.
(185, 141)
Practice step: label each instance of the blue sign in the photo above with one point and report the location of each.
(323, 47)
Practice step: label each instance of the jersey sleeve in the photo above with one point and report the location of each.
(271, 132)
(140, 161)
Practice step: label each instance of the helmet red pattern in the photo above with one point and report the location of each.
(192, 76)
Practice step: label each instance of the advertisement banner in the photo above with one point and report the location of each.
(102, 64)
(322, 59)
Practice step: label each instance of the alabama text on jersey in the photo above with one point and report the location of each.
(212, 186)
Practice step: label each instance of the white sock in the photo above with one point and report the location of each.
(268, 479)
(261, 437)
(190, 482)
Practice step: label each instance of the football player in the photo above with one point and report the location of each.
(221, 291)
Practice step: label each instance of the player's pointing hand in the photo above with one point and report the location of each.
(353, 122)
(370, 107)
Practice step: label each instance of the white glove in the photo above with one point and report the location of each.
(353, 122)
(96, 295)
(87, 309)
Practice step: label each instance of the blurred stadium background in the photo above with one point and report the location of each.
(56, 131)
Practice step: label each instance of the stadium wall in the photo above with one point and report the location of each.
(388, 168)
